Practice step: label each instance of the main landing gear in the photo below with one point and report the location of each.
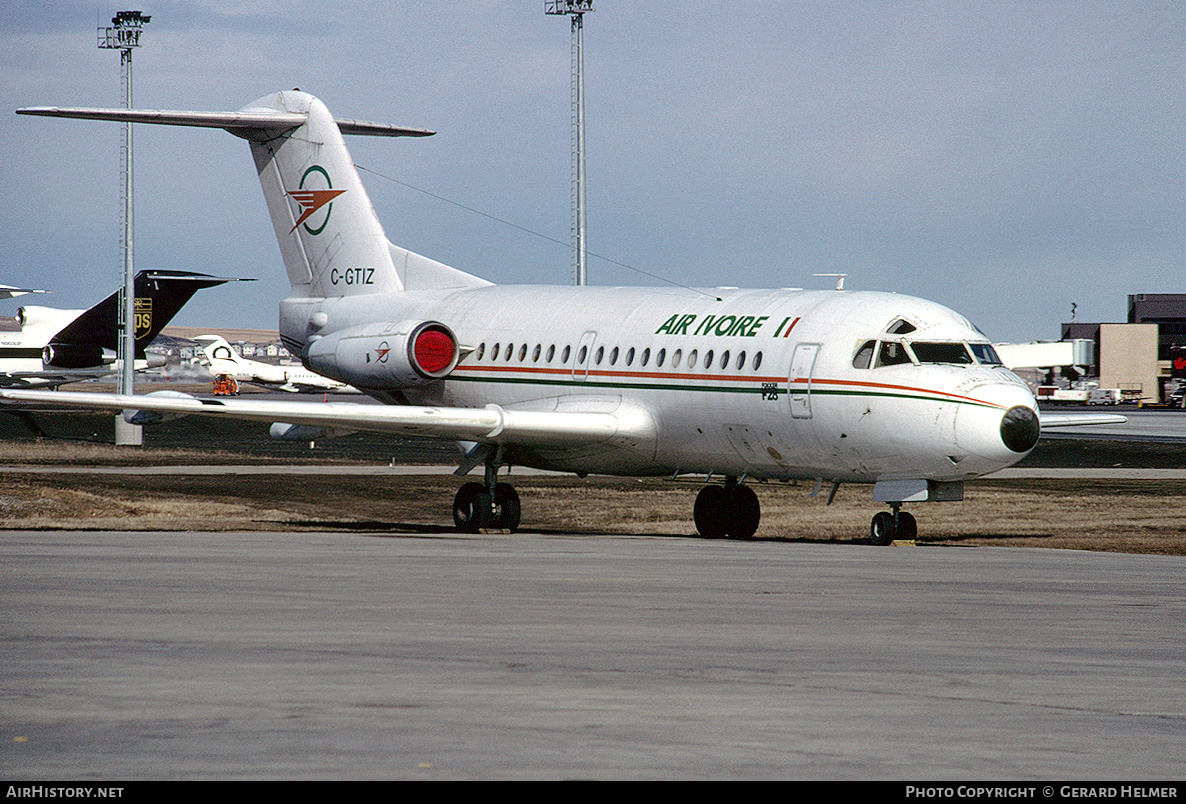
(887, 527)
(729, 511)
(487, 506)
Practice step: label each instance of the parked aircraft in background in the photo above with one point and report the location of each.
(835, 386)
(295, 379)
(55, 346)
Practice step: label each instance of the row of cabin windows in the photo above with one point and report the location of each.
(601, 355)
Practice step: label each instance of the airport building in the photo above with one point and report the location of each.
(1144, 355)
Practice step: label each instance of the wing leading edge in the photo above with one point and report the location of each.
(627, 424)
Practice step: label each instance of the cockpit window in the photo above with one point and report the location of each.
(900, 327)
(892, 354)
(864, 356)
(955, 353)
(985, 354)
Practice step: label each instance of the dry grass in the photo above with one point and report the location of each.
(1082, 514)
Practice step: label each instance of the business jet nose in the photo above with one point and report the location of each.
(1004, 428)
(1020, 429)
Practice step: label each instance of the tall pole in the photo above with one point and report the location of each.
(577, 9)
(124, 36)
(578, 36)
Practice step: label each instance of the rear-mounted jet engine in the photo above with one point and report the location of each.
(386, 356)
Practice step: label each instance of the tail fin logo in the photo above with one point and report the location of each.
(311, 200)
(142, 308)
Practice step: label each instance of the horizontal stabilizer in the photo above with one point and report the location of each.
(244, 120)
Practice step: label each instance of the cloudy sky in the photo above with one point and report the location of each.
(1006, 159)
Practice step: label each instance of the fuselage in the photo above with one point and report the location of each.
(845, 386)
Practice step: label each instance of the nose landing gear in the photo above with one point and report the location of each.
(729, 511)
(887, 527)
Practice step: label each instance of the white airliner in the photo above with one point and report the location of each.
(831, 386)
(295, 379)
(55, 346)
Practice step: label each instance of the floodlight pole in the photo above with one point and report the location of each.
(577, 9)
(124, 35)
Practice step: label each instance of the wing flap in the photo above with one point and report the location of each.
(625, 425)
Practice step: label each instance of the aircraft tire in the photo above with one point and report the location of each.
(711, 512)
(506, 500)
(744, 513)
(907, 527)
(472, 510)
(882, 530)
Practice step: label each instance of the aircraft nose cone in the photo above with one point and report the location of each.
(1020, 429)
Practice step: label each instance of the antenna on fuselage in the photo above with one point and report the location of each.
(839, 279)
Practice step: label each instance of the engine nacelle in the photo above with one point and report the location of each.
(385, 355)
(71, 356)
(34, 317)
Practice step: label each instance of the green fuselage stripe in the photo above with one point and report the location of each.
(818, 388)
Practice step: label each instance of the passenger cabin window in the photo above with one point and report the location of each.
(955, 353)
(864, 356)
(892, 354)
(481, 350)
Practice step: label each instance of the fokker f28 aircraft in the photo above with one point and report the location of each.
(839, 387)
(55, 347)
(295, 379)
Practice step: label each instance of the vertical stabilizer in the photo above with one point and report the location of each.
(330, 238)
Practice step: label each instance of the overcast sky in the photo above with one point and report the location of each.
(1006, 159)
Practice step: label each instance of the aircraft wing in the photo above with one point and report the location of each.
(1078, 419)
(9, 292)
(52, 378)
(492, 424)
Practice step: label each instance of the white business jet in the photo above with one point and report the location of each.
(832, 386)
(294, 379)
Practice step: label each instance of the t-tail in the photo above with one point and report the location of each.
(223, 359)
(91, 339)
(330, 238)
